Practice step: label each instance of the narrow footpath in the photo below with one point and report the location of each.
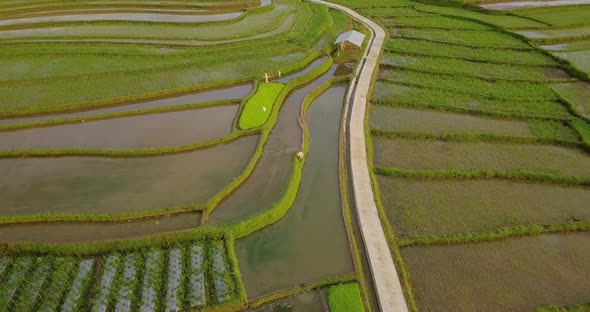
(383, 271)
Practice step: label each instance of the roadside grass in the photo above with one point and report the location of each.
(427, 206)
(562, 16)
(422, 97)
(497, 19)
(483, 88)
(482, 70)
(475, 54)
(258, 107)
(413, 154)
(345, 298)
(575, 93)
(435, 22)
(470, 38)
(399, 119)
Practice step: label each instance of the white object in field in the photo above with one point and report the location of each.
(279, 74)
(264, 109)
(266, 77)
(300, 155)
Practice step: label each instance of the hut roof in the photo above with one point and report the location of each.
(353, 37)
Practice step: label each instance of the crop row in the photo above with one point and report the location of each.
(392, 12)
(192, 276)
(470, 38)
(474, 69)
(467, 102)
(476, 54)
(480, 87)
(435, 22)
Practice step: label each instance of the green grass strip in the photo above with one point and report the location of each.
(257, 108)
(582, 127)
(345, 298)
(582, 307)
(476, 137)
(152, 151)
(78, 119)
(480, 174)
(498, 234)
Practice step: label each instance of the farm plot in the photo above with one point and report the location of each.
(557, 16)
(417, 207)
(577, 94)
(477, 135)
(503, 157)
(144, 131)
(580, 59)
(136, 281)
(518, 274)
(109, 185)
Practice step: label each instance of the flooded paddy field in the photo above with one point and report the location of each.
(109, 185)
(505, 157)
(576, 93)
(517, 274)
(266, 184)
(143, 131)
(388, 118)
(437, 207)
(235, 92)
(310, 242)
(72, 232)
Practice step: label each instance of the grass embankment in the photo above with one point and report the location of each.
(345, 298)
(258, 107)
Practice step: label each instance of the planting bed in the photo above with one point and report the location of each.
(143, 280)
(139, 144)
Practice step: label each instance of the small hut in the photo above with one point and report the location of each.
(352, 39)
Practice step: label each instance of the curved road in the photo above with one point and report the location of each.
(383, 272)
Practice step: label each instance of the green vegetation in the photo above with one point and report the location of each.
(570, 308)
(258, 107)
(441, 22)
(557, 16)
(475, 38)
(345, 298)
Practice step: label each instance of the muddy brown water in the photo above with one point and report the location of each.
(70, 232)
(114, 185)
(234, 92)
(309, 243)
(518, 274)
(142, 131)
(267, 182)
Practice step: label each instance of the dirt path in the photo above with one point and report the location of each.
(383, 271)
(531, 4)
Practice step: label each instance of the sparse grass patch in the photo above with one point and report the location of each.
(258, 107)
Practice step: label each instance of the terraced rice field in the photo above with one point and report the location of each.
(141, 151)
(480, 156)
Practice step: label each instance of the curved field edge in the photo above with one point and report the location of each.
(210, 205)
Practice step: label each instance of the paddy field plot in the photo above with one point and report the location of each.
(418, 207)
(518, 274)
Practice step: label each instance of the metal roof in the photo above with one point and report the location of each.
(353, 37)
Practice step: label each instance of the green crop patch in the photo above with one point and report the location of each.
(436, 22)
(345, 298)
(422, 207)
(257, 108)
(557, 16)
(393, 12)
(403, 120)
(414, 154)
(505, 21)
(580, 59)
(477, 54)
(499, 89)
(475, 69)
(396, 94)
(472, 38)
